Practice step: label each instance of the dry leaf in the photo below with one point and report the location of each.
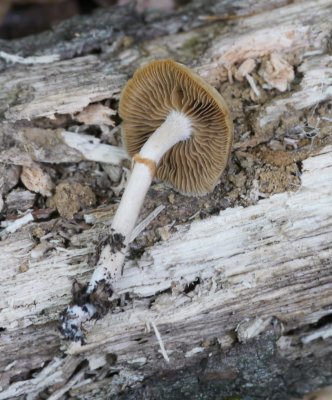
(36, 180)
(96, 114)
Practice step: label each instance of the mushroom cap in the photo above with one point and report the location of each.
(192, 166)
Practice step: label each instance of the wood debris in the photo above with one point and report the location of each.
(40, 249)
(251, 328)
(315, 87)
(57, 146)
(9, 177)
(142, 225)
(20, 200)
(91, 148)
(257, 246)
(37, 180)
(123, 182)
(96, 114)
(277, 72)
(13, 58)
(160, 341)
(245, 69)
(11, 227)
(164, 232)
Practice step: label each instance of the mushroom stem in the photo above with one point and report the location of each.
(176, 128)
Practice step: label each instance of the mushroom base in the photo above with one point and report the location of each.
(87, 305)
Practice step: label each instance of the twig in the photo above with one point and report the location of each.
(142, 225)
(160, 341)
(253, 85)
(17, 224)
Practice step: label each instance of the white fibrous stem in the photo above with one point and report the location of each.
(176, 128)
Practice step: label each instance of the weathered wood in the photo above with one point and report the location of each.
(57, 146)
(241, 298)
(85, 81)
(269, 260)
(242, 249)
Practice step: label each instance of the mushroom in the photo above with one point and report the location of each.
(176, 127)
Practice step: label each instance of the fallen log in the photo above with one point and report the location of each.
(225, 295)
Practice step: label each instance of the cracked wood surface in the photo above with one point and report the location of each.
(271, 259)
